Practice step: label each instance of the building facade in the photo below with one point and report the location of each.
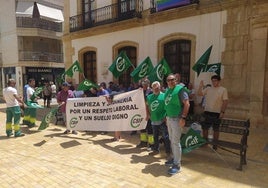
(96, 31)
(31, 41)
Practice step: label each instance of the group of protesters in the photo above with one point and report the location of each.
(166, 110)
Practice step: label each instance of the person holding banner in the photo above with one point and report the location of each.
(146, 135)
(62, 97)
(13, 112)
(156, 112)
(215, 106)
(177, 106)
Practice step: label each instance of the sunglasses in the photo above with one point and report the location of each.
(172, 79)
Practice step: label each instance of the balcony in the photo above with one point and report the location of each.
(114, 13)
(27, 22)
(40, 56)
(169, 5)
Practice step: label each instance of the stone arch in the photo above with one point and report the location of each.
(81, 59)
(178, 36)
(121, 44)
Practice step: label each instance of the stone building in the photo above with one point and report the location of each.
(96, 31)
(31, 41)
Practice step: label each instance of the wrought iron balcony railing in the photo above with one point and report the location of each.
(116, 12)
(27, 22)
(40, 56)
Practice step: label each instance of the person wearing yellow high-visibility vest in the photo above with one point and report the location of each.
(146, 135)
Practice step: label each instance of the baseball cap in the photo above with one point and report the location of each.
(66, 84)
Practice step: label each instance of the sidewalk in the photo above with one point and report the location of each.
(51, 159)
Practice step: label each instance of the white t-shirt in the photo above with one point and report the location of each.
(214, 98)
(30, 92)
(54, 88)
(8, 94)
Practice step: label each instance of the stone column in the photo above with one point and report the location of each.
(257, 56)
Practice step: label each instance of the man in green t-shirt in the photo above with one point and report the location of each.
(155, 109)
(177, 107)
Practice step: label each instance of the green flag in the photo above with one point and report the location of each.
(36, 93)
(191, 140)
(86, 85)
(213, 68)
(160, 70)
(142, 70)
(120, 64)
(60, 78)
(202, 61)
(47, 118)
(31, 104)
(74, 68)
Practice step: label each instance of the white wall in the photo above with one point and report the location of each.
(8, 32)
(207, 29)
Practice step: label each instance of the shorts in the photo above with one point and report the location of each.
(47, 97)
(211, 120)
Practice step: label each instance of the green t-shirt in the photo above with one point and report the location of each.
(156, 106)
(173, 105)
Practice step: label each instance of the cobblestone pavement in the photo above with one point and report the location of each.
(51, 159)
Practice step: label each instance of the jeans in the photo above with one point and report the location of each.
(161, 130)
(174, 131)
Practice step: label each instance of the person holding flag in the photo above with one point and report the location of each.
(177, 106)
(215, 106)
(31, 100)
(62, 97)
(146, 135)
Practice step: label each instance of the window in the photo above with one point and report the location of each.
(87, 7)
(131, 52)
(178, 55)
(90, 70)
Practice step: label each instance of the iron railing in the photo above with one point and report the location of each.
(27, 22)
(113, 13)
(40, 56)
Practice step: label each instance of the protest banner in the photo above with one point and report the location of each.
(126, 112)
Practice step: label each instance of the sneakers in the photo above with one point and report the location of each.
(169, 162)
(66, 132)
(9, 133)
(115, 139)
(154, 152)
(142, 145)
(174, 170)
(74, 132)
(19, 134)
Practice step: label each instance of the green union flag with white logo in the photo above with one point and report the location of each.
(213, 68)
(120, 64)
(191, 140)
(74, 68)
(47, 118)
(160, 70)
(142, 70)
(36, 93)
(86, 85)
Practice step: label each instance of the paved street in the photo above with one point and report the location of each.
(50, 159)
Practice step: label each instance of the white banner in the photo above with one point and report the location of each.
(126, 112)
